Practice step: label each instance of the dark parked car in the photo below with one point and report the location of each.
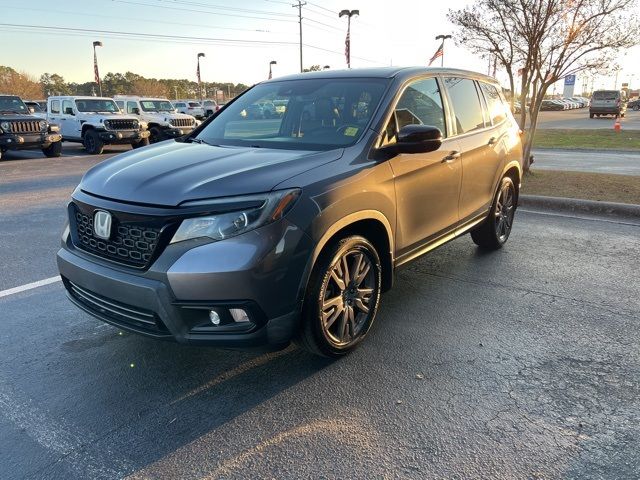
(551, 105)
(251, 233)
(22, 130)
(634, 104)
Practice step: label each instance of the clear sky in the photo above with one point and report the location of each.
(239, 38)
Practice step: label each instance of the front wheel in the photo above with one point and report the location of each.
(493, 233)
(342, 298)
(142, 143)
(155, 135)
(93, 144)
(53, 150)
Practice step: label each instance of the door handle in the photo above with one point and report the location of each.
(451, 157)
(492, 141)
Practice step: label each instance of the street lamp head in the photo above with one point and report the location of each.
(273, 62)
(97, 44)
(343, 13)
(326, 67)
(348, 13)
(200, 55)
(442, 37)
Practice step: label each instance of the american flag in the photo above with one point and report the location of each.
(347, 50)
(96, 75)
(438, 54)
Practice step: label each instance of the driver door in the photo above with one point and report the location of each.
(427, 184)
(69, 123)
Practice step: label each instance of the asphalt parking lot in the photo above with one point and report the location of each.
(579, 118)
(516, 364)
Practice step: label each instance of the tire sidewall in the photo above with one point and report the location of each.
(492, 216)
(313, 300)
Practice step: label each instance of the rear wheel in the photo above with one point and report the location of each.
(92, 142)
(495, 230)
(342, 298)
(53, 150)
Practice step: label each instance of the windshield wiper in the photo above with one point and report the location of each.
(200, 141)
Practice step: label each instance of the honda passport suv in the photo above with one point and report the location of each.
(95, 122)
(256, 232)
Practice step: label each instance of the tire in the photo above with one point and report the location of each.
(92, 143)
(155, 135)
(333, 329)
(494, 232)
(142, 143)
(54, 150)
(636, 108)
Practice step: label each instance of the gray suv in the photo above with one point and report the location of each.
(255, 232)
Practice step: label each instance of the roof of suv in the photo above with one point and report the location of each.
(383, 72)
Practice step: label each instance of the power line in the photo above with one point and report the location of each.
(222, 7)
(204, 11)
(323, 8)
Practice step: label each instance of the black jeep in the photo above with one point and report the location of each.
(20, 130)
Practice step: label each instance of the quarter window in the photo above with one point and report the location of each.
(419, 104)
(466, 104)
(55, 106)
(495, 104)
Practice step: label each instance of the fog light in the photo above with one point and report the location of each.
(214, 317)
(239, 315)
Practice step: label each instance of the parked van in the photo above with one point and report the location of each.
(607, 102)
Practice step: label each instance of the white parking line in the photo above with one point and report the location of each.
(29, 286)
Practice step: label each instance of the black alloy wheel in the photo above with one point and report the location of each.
(494, 231)
(342, 298)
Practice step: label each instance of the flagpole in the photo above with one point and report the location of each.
(198, 72)
(443, 37)
(347, 42)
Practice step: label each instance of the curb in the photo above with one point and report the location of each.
(574, 205)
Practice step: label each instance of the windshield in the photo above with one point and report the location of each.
(318, 114)
(194, 104)
(13, 105)
(606, 95)
(97, 105)
(156, 105)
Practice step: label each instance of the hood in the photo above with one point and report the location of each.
(10, 117)
(168, 115)
(169, 173)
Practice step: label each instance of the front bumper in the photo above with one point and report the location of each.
(175, 132)
(11, 141)
(123, 136)
(259, 271)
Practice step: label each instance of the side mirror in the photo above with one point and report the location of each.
(32, 110)
(135, 111)
(414, 139)
(68, 111)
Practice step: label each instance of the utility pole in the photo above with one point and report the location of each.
(299, 6)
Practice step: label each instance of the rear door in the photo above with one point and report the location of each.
(478, 140)
(427, 184)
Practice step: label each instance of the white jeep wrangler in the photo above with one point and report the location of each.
(160, 115)
(95, 122)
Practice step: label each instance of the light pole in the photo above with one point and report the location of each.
(347, 42)
(272, 62)
(443, 38)
(96, 72)
(175, 89)
(198, 71)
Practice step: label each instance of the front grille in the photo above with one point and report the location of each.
(121, 124)
(25, 126)
(182, 122)
(116, 312)
(132, 243)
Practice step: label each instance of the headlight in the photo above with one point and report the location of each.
(5, 126)
(229, 224)
(43, 124)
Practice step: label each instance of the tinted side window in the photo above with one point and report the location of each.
(421, 103)
(497, 109)
(55, 106)
(131, 106)
(465, 103)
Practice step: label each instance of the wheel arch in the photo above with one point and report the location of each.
(371, 224)
(513, 170)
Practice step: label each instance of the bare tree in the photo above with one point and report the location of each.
(21, 84)
(546, 40)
